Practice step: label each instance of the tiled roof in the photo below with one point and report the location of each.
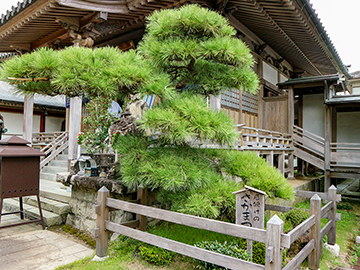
(8, 92)
(21, 5)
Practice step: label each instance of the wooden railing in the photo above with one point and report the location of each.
(273, 237)
(255, 138)
(54, 148)
(345, 155)
(42, 139)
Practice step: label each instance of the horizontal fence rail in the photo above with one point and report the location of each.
(273, 237)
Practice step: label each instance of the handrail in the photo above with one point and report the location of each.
(48, 148)
(55, 153)
(304, 131)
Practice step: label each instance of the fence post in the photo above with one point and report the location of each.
(101, 234)
(274, 229)
(332, 215)
(142, 196)
(315, 209)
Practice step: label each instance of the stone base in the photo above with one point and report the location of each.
(334, 249)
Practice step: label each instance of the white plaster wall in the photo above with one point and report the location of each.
(314, 114)
(14, 122)
(348, 127)
(356, 90)
(270, 73)
(53, 123)
(282, 78)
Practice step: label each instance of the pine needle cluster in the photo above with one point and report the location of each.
(195, 181)
(196, 46)
(187, 117)
(105, 72)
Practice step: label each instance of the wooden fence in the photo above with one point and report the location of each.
(273, 237)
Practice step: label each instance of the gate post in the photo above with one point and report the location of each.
(332, 215)
(315, 209)
(101, 234)
(273, 257)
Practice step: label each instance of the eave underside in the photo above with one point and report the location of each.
(279, 24)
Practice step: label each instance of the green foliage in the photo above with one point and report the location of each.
(230, 249)
(295, 216)
(97, 123)
(155, 255)
(196, 46)
(255, 172)
(190, 180)
(259, 248)
(106, 72)
(355, 255)
(187, 117)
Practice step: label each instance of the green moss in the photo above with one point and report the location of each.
(80, 234)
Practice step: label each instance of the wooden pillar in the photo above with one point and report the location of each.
(290, 110)
(240, 109)
(142, 194)
(332, 215)
(28, 117)
(281, 162)
(42, 122)
(102, 212)
(75, 126)
(270, 158)
(215, 102)
(273, 257)
(291, 165)
(260, 95)
(327, 151)
(315, 209)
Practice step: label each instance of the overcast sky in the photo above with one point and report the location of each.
(339, 17)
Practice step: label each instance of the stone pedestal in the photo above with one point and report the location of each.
(83, 201)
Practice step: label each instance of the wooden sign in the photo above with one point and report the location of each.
(250, 207)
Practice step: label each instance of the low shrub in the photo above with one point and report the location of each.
(155, 255)
(296, 216)
(230, 249)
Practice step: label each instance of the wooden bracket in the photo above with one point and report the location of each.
(269, 254)
(97, 209)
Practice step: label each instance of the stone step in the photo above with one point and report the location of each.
(54, 191)
(56, 207)
(48, 176)
(50, 218)
(62, 157)
(59, 163)
(53, 169)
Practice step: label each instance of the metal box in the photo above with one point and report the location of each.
(19, 174)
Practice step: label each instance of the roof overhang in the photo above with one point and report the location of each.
(291, 28)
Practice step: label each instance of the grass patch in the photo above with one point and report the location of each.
(80, 234)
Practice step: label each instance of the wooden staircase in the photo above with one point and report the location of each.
(309, 147)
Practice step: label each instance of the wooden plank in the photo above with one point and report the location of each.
(309, 158)
(326, 208)
(326, 229)
(314, 146)
(131, 224)
(309, 194)
(301, 229)
(192, 221)
(184, 249)
(278, 208)
(345, 157)
(301, 256)
(75, 126)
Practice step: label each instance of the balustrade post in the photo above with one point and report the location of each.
(332, 215)
(102, 212)
(315, 209)
(273, 256)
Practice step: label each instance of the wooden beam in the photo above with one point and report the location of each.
(116, 7)
(59, 34)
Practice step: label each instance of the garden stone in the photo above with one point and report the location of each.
(357, 240)
(63, 178)
(99, 259)
(334, 249)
